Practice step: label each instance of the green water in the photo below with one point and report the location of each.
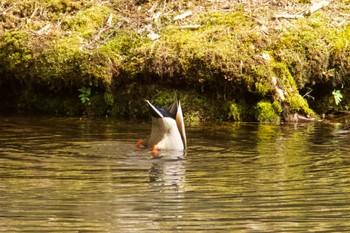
(73, 175)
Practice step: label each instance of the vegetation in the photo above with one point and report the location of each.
(231, 61)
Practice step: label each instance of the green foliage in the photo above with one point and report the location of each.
(337, 96)
(85, 95)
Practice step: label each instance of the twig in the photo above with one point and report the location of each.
(109, 20)
(287, 16)
(44, 30)
(307, 94)
(193, 26)
(34, 12)
(182, 16)
(151, 10)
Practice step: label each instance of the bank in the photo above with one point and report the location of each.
(248, 61)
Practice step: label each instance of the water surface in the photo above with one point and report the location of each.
(85, 175)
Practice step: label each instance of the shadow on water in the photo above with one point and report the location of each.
(73, 175)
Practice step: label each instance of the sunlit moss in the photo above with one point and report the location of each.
(299, 104)
(87, 22)
(64, 6)
(218, 47)
(277, 107)
(286, 81)
(265, 112)
(15, 54)
(304, 47)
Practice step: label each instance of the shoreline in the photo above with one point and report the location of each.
(228, 61)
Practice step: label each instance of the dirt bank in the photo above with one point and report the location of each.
(229, 60)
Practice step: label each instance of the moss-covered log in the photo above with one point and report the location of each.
(241, 63)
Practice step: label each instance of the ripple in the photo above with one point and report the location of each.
(64, 175)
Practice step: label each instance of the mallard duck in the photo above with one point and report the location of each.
(168, 128)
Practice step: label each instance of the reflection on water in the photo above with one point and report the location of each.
(72, 175)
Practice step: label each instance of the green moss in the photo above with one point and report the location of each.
(57, 65)
(339, 56)
(15, 54)
(285, 78)
(65, 6)
(219, 47)
(286, 81)
(277, 107)
(195, 107)
(299, 104)
(304, 47)
(123, 52)
(122, 44)
(236, 111)
(87, 22)
(262, 88)
(265, 112)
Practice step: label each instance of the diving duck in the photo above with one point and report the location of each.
(168, 128)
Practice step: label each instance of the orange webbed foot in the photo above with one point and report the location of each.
(155, 151)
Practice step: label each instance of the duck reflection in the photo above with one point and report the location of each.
(166, 182)
(167, 170)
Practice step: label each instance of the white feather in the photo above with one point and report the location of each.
(167, 133)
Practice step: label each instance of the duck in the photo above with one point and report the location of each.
(168, 128)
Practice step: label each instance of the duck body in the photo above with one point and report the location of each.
(168, 130)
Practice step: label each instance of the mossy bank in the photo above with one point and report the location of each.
(228, 61)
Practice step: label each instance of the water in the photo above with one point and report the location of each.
(81, 175)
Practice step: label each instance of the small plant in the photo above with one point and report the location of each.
(337, 96)
(85, 95)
